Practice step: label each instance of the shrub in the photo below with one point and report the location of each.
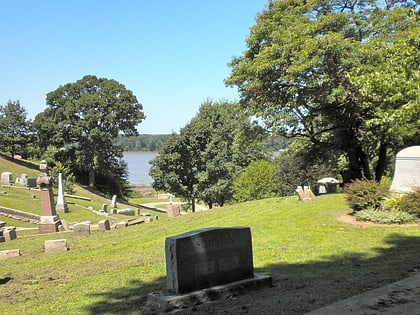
(392, 203)
(365, 194)
(410, 202)
(385, 216)
(257, 181)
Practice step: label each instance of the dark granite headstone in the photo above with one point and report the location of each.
(31, 182)
(208, 257)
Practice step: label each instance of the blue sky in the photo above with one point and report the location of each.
(172, 54)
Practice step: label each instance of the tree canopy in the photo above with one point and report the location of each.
(314, 69)
(200, 162)
(15, 129)
(83, 118)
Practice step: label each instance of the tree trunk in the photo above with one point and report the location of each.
(364, 163)
(91, 177)
(381, 164)
(354, 170)
(193, 204)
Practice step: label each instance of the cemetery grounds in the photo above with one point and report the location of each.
(314, 258)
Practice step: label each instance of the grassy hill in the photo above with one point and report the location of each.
(314, 259)
(18, 197)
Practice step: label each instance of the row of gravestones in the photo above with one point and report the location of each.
(51, 247)
(83, 228)
(406, 177)
(7, 178)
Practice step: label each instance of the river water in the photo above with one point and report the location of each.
(138, 167)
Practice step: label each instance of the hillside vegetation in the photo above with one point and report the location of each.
(314, 259)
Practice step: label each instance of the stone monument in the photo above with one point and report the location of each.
(407, 170)
(172, 210)
(206, 265)
(114, 201)
(305, 193)
(49, 219)
(61, 205)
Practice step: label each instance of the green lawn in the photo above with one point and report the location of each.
(19, 197)
(314, 260)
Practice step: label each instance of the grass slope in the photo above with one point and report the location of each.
(21, 198)
(313, 258)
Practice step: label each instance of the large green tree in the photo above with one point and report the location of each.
(84, 118)
(174, 169)
(15, 129)
(313, 69)
(200, 162)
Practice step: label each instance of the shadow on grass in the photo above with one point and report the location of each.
(20, 162)
(127, 300)
(297, 288)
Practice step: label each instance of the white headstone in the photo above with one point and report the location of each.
(407, 170)
(23, 180)
(61, 205)
(7, 177)
(114, 201)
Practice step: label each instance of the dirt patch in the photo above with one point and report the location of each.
(349, 218)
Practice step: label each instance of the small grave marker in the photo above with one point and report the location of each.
(173, 210)
(305, 194)
(104, 225)
(9, 253)
(56, 246)
(7, 177)
(31, 183)
(9, 234)
(81, 229)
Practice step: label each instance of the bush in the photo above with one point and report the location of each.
(385, 216)
(411, 202)
(365, 194)
(257, 181)
(392, 203)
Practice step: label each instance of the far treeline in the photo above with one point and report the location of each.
(146, 142)
(142, 142)
(338, 78)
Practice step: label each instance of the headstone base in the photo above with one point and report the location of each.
(49, 218)
(61, 208)
(161, 302)
(48, 227)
